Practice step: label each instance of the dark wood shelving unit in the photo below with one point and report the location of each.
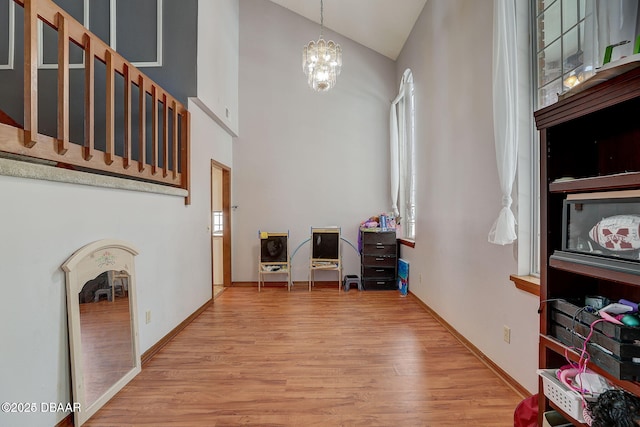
(583, 267)
(589, 143)
(621, 181)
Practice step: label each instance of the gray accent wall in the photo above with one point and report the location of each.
(11, 82)
(178, 72)
(137, 21)
(4, 30)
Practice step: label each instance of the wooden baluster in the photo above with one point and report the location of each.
(142, 124)
(63, 84)
(154, 130)
(126, 161)
(165, 136)
(175, 139)
(110, 107)
(30, 73)
(89, 98)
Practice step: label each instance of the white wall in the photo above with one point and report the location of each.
(305, 159)
(41, 224)
(463, 277)
(218, 59)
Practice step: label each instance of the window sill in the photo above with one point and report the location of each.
(407, 242)
(530, 284)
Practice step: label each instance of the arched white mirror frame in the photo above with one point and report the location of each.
(84, 265)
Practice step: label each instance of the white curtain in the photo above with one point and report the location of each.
(399, 169)
(401, 140)
(395, 158)
(505, 123)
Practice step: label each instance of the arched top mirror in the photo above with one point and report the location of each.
(103, 326)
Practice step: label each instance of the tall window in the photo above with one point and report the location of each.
(559, 48)
(403, 182)
(558, 34)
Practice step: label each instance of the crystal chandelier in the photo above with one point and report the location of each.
(321, 60)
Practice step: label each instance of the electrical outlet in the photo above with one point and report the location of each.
(420, 277)
(148, 316)
(506, 334)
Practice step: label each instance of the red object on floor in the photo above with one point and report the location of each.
(526, 413)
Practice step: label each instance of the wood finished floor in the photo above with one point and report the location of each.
(217, 290)
(319, 358)
(106, 343)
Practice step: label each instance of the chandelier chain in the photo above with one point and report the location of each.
(321, 18)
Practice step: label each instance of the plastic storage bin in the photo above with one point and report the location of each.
(566, 399)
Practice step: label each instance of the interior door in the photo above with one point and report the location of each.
(220, 226)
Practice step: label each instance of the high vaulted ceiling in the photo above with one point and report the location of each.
(381, 25)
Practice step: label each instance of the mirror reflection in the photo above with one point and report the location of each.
(105, 328)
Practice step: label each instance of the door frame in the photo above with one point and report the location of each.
(226, 218)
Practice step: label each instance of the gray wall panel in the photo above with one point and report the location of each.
(177, 75)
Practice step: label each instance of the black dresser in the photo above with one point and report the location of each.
(379, 259)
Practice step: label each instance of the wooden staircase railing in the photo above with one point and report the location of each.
(169, 142)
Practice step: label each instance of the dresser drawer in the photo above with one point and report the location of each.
(373, 284)
(379, 261)
(379, 272)
(379, 249)
(379, 238)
